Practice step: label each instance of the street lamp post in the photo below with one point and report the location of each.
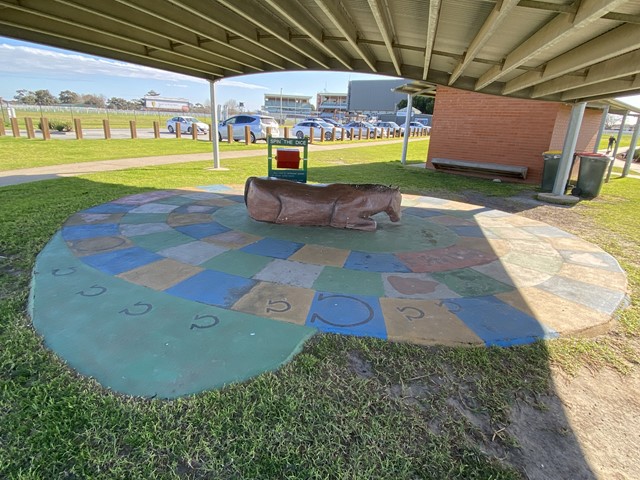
(281, 117)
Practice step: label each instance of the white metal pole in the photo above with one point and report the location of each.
(615, 149)
(569, 148)
(214, 124)
(632, 148)
(603, 122)
(405, 140)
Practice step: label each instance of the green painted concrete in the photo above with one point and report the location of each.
(353, 282)
(239, 263)
(140, 342)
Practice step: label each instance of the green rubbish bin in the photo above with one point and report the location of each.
(593, 167)
(550, 169)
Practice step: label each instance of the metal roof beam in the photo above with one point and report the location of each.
(621, 40)
(498, 15)
(295, 15)
(257, 15)
(431, 28)
(558, 30)
(611, 88)
(622, 66)
(234, 24)
(380, 9)
(342, 20)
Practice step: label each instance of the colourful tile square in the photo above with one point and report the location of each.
(375, 262)
(347, 314)
(144, 218)
(92, 246)
(280, 302)
(109, 208)
(273, 247)
(470, 283)
(421, 212)
(237, 263)
(201, 230)
(290, 273)
(321, 255)
(160, 275)
(232, 239)
(154, 208)
(498, 323)
(177, 219)
(213, 288)
(81, 232)
(353, 282)
(120, 261)
(425, 322)
(193, 253)
(161, 240)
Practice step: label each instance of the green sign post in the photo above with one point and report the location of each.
(295, 174)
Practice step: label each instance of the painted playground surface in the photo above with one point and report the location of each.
(170, 293)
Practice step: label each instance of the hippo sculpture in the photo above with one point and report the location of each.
(337, 205)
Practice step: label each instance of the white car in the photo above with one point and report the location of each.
(374, 132)
(303, 129)
(416, 126)
(186, 125)
(257, 124)
(392, 126)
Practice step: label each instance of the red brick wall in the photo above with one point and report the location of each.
(486, 128)
(588, 131)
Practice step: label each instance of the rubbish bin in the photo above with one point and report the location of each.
(593, 167)
(550, 169)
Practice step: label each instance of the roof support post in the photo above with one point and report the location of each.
(569, 148)
(632, 148)
(615, 149)
(214, 124)
(407, 129)
(603, 122)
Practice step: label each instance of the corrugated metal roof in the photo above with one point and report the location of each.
(562, 50)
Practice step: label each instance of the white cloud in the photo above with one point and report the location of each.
(27, 60)
(237, 84)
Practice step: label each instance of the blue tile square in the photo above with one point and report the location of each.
(375, 262)
(272, 247)
(213, 288)
(121, 261)
(358, 315)
(82, 232)
(421, 212)
(109, 208)
(498, 323)
(202, 230)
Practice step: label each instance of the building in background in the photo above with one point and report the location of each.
(284, 106)
(166, 104)
(333, 105)
(373, 98)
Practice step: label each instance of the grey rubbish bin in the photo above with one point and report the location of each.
(550, 169)
(593, 166)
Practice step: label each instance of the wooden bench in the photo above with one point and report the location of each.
(497, 169)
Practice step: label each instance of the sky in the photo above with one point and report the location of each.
(31, 66)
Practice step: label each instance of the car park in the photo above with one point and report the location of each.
(186, 125)
(374, 132)
(303, 129)
(392, 126)
(258, 125)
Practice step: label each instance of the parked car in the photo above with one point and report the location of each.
(333, 122)
(374, 132)
(392, 126)
(257, 124)
(417, 126)
(186, 125)
(303, 129)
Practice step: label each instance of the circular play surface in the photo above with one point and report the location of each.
(173, 292)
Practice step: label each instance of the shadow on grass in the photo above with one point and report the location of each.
(346, 407)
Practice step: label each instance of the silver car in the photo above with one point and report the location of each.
(257, 127)
(186, 125)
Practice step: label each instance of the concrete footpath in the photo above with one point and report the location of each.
(25, 175)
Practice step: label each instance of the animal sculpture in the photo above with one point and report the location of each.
(337, 205)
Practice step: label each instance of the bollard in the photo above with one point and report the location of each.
(247, 134)
(28, 123)
(78, 126)
(359, 133)
(388, 132)
(229, 133)
(352, 134)
(321, 134)
(107, 129)
(194, 132)
(46, 134)
(368, 133)
(342, 134)
(210, 132)
(156, 129)
(3, 132)
(132, 129)
(286, 132)
(268, 131)
(178, 130)
(15, 129)
(333, 134)
(310, 134)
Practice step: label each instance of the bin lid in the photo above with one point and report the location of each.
(598, 156)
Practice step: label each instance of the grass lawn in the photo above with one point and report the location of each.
(318, 417)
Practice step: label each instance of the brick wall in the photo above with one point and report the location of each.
(588, 131)
(486, 128)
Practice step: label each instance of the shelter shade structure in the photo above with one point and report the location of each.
(560, 50)
(632, 148)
